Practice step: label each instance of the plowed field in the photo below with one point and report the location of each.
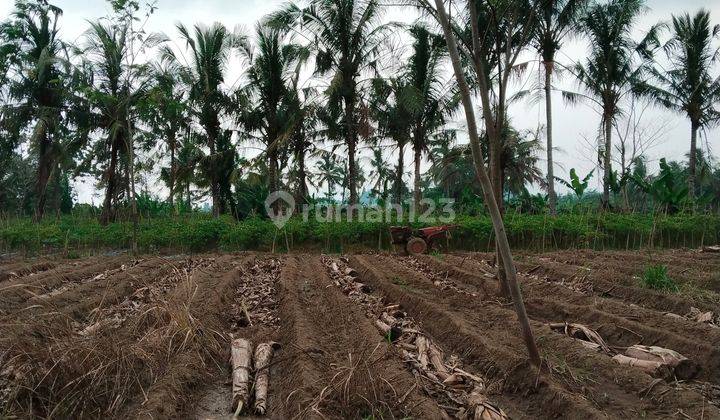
(359, 336)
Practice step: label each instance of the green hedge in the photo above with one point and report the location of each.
(200, 232)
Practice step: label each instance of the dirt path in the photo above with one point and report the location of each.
(249, 311)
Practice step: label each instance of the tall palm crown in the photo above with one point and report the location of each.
(210, 49)
(393, 120)
(687, 86)
(270, 89)
(556, 20)
(32, 52)
(381, 172)
(426, 95)
(111, 96)
(349, 38)
(166, 113)
(611, 71)
(330, 172)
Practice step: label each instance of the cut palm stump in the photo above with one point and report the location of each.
(657, 361)
(241, 358)
(263, 355)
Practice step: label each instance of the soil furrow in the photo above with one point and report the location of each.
(610, 284)
(333, 363)
(17, 270)
(611, 388)
(17, 292)
(250, 312)
(494, 355)
(619, 324)
(199, 307)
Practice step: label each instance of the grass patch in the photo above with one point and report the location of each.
(398, 281)
(656, 277)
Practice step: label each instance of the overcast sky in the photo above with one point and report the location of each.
(572, 124)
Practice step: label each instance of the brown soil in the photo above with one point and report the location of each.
(149, 337)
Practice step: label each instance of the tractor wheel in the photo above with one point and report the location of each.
(416, 246)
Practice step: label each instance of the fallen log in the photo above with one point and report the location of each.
(713, 248)
(703, 317)
(388, 319)
(263, 355)
(392, 332)
(241, 358)
(682, 367)
(654, 369)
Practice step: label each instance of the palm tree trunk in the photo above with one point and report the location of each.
(214, 182)
(478, 159)
(133, 198)
(302, 191)
(552, 198)
(40, 138)
(189, 197)
(692, 164)
(399, 173)
(416, 184)
(171, 197)
(106, 216)
(273, 175)
(351, 141)
(607, 120)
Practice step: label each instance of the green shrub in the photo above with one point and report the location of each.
(656, 277)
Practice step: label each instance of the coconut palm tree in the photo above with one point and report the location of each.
(393, 121)
(425, 96)
(687, 86)
(381, 172)
(329, 172)
(166, 113)
(210, 49)
(270, 91)
(556, 19)
(112, 96)
(349, 37)
(35, 56)
(612, 70)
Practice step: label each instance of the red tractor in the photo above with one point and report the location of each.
(419, 241)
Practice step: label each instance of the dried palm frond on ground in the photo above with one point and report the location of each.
(149, 293)
(440, 280)
(255, 300)
(657, 361)
(459, 393)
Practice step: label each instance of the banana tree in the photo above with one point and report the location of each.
(667, 189)
(577, 185)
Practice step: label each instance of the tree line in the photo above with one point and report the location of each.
(121, 102)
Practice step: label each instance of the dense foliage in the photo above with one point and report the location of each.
(122, 107)
(193, 233)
